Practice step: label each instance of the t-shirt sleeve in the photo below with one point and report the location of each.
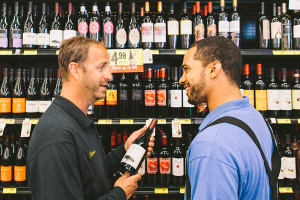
(212, 179)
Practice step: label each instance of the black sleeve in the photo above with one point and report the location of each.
(114, 159)
(54, 174)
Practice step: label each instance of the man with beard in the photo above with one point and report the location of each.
(66, 159)
(223, 161)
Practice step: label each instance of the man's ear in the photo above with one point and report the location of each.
(74, 70)
(214, 69)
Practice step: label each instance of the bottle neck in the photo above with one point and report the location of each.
(234, 8)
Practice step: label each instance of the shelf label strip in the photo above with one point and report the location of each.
(286, 190)
(104, 121)
(9, 190)
(161, 190)
(126, 121)
(284, 121)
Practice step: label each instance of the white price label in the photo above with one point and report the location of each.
(176, 129)
(26, 128)
(2, 126)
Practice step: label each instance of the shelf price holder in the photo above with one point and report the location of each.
(6, 52)
(286, 52)
(182, 190)
(126, 60)
(161, 190)
(126, 121)
(180, 52)
(34, 121)
(10, 121)
(26, 128)
(284, 121)
(30, 52)
(161, 121)
(104, 121)
(285, 190)
(9, 190)
(176, 128)
(2, 126)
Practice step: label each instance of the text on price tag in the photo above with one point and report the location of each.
(26, 128)
(285, 190)
(161, 190)
(104, 121)
(9, 190)
(2, 126)
(126, 121)
(284, 121)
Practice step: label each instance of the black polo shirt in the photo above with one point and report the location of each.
(66, 159)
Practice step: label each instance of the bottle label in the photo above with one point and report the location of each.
(137, 95)
(123, 95)
(111, 97)
(83, 28)
(285, 99)
(149, 97)
(266, 29)
(160, 32)
(242, 92)
(186, 27)
(121, 36)
(223, 28)
(69, 33)
(3, 38)
(296, 31)
(296, 99)
(250, 95)
(273, 99)
(99, 102)
(55, 37)
(152, 165)
(20, 173)
(173, 27)
(185, 100)
(289, 167)
(177, 166)
(234, 26)
(94, 27)
(261, 100)
(5, 105)
(276, 30)
(165, 165)
(19, 105)
(176, 98)
(142, 169)
(43, 39)
(17, 38)
(6, 173)
(281, 173)
(134, 36)
(44, 105)
(29, 38)
(134, 155)
(147, 32)
(161, 97)
(199, 32)
(108, 27)
(32, 106)
(212, 30)
(287, 29)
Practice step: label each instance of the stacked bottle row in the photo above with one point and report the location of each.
(271, 97)
(157, 197)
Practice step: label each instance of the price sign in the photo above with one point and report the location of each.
(161, 121)
(6, 52)
(161, 190)
(180, 52)
(57, 52)
(104, 121)
(26, 128)
(34, 121)
(298, 121)
(287, 52)
(284, 121)
(273, 120)
(176, 129)
(126, 121)
(185, 121)
(286, 190)
(126, 60)
(9, 190)
(10, 121)
(30, 52)
(2, 126)
(182, 190)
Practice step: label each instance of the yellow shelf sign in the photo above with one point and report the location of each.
(161, 190)
(10, 121)
(286, 52)
(185, 121)
(284, 121)
(161, 121)
(30, 52)
(57, 52)
(104, 121)
(182, 190)
(9, 190)
(155, 52)
(180, 52)
(6, 52)
(126, 121)
(285, 190)
(34, 121)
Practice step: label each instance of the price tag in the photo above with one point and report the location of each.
(180, 52)
(6, 52)
(30, 52)
(104, 121)
(2, 126)
(284, 121)
(126, 121)
(182, 190)
(18, 52)
(287, 52)
(161, 121)
(176, 129)
(161, 190)
(273, 120)
(147, 56)
(34, 121)
(148, 124)
(57, 52)
(298, 121)
(285, 190)
(26, 128)
(9, 190)
(10, 121)
(185, 121)
(155, 52)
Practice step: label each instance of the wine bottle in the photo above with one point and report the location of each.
(150, 95)
(152, 169)
(82, 22)
(43, 36)
(185, 28)
(276, 31)
(164, 163)
(15, 32)
(123, 97)
(188, 109)
(56, 34)
(264, 29)
(281, 173)
(134, 36)
(296, 94)
(20, 164)
(173, 28)
(94, 27)
(24, 80)
(32, 101)
(296, 29)
(3, 28)
(273, 95)
(161, 94)
(141, 18)
(147, 28)
(248, 84)
(108, 28)
(289, 163)
(137, 151)
(142, 172)
(234, 24)
(260, 92)
(45, 94)
(111, 98)
(5, 96)
(223, 22)
(286, 29)
(29, 31)
(178, 164)
(120, 32)
(285, 95)
(136, 96)
(6, 163)
(160, 37)
(211, 22)
(11, 78)
(69, 25)
(18, 101)
(175, 95)
(198, 24)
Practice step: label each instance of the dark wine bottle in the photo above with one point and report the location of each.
(134, 36)
(57, 89)
(43, 36)
(99, 107)
(185, 28)
(160, 38)
(24, 80)
(211, 22)
(141, 18)
(175, 94)
(198, 24)
(82, 22)
(152, 169)
(165, 163)
(20, 164)
(150, 95)
(296, 29)
(147, 28)
(248, 84)
(56, 34)
(111, 98)
(289, 164)
(69, 30)
(188, 109)
(94, 27)
(161, 94)
(108, 28)
(296, 94)
(19, 94)
(260, 92)
(285, 95)
(123, 97)
(137, 151)
(5, 95)
(273, 95)
(286, 29)
(263, 29)
(234, 25)
(120, 32)
(15, 33)
(178, 164)
(3, 28)
(7, 163)
(136, 97)
(12, 78)
(45, 94)
(276, 29)
(29, 31)
(32, 101)
(173, 28)
(223, 22)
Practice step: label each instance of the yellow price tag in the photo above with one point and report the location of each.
(10, 121)
(34, 121)
(185, 121)
(285, 190)
(126, 121)
(298, 121)
(161, 190)
(284, 121)
(104, 121)
(287, 52)
(9, 190)
(6, 52)
(30, 52)
(57, 52)
(182, 190)
(155, 52)
(180, 52)
(161, 121)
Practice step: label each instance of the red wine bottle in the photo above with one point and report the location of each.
(175, 94)
(273, 95)
(15, 38)
(149, 94)
(285, 95)
(198, 24)
(56, 34)
(164, 163)
(108, 28)
(260, 92)
(20, 164)
(19, 94)
(263, 29)
(120, 33)
(185, 28)
(136, 96)
(160, 37)
(45, 94)
(289, 163)
(82, 22)
(178, 164)
(147, 28)
(152, 169)
(123, 97)
(211, 22)
(57, 88)
(70, 30)
(43, 37)
(94, 27)
(137, 151)
(223, 23)
(4, 28)
(7, 163)
(32, 101)
(296, 94)
(111, 98)
(161, 94)
(173, 28)
(133, 30)
(5, 96)
(29, 30)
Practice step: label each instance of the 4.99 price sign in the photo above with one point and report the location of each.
(126, 60)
